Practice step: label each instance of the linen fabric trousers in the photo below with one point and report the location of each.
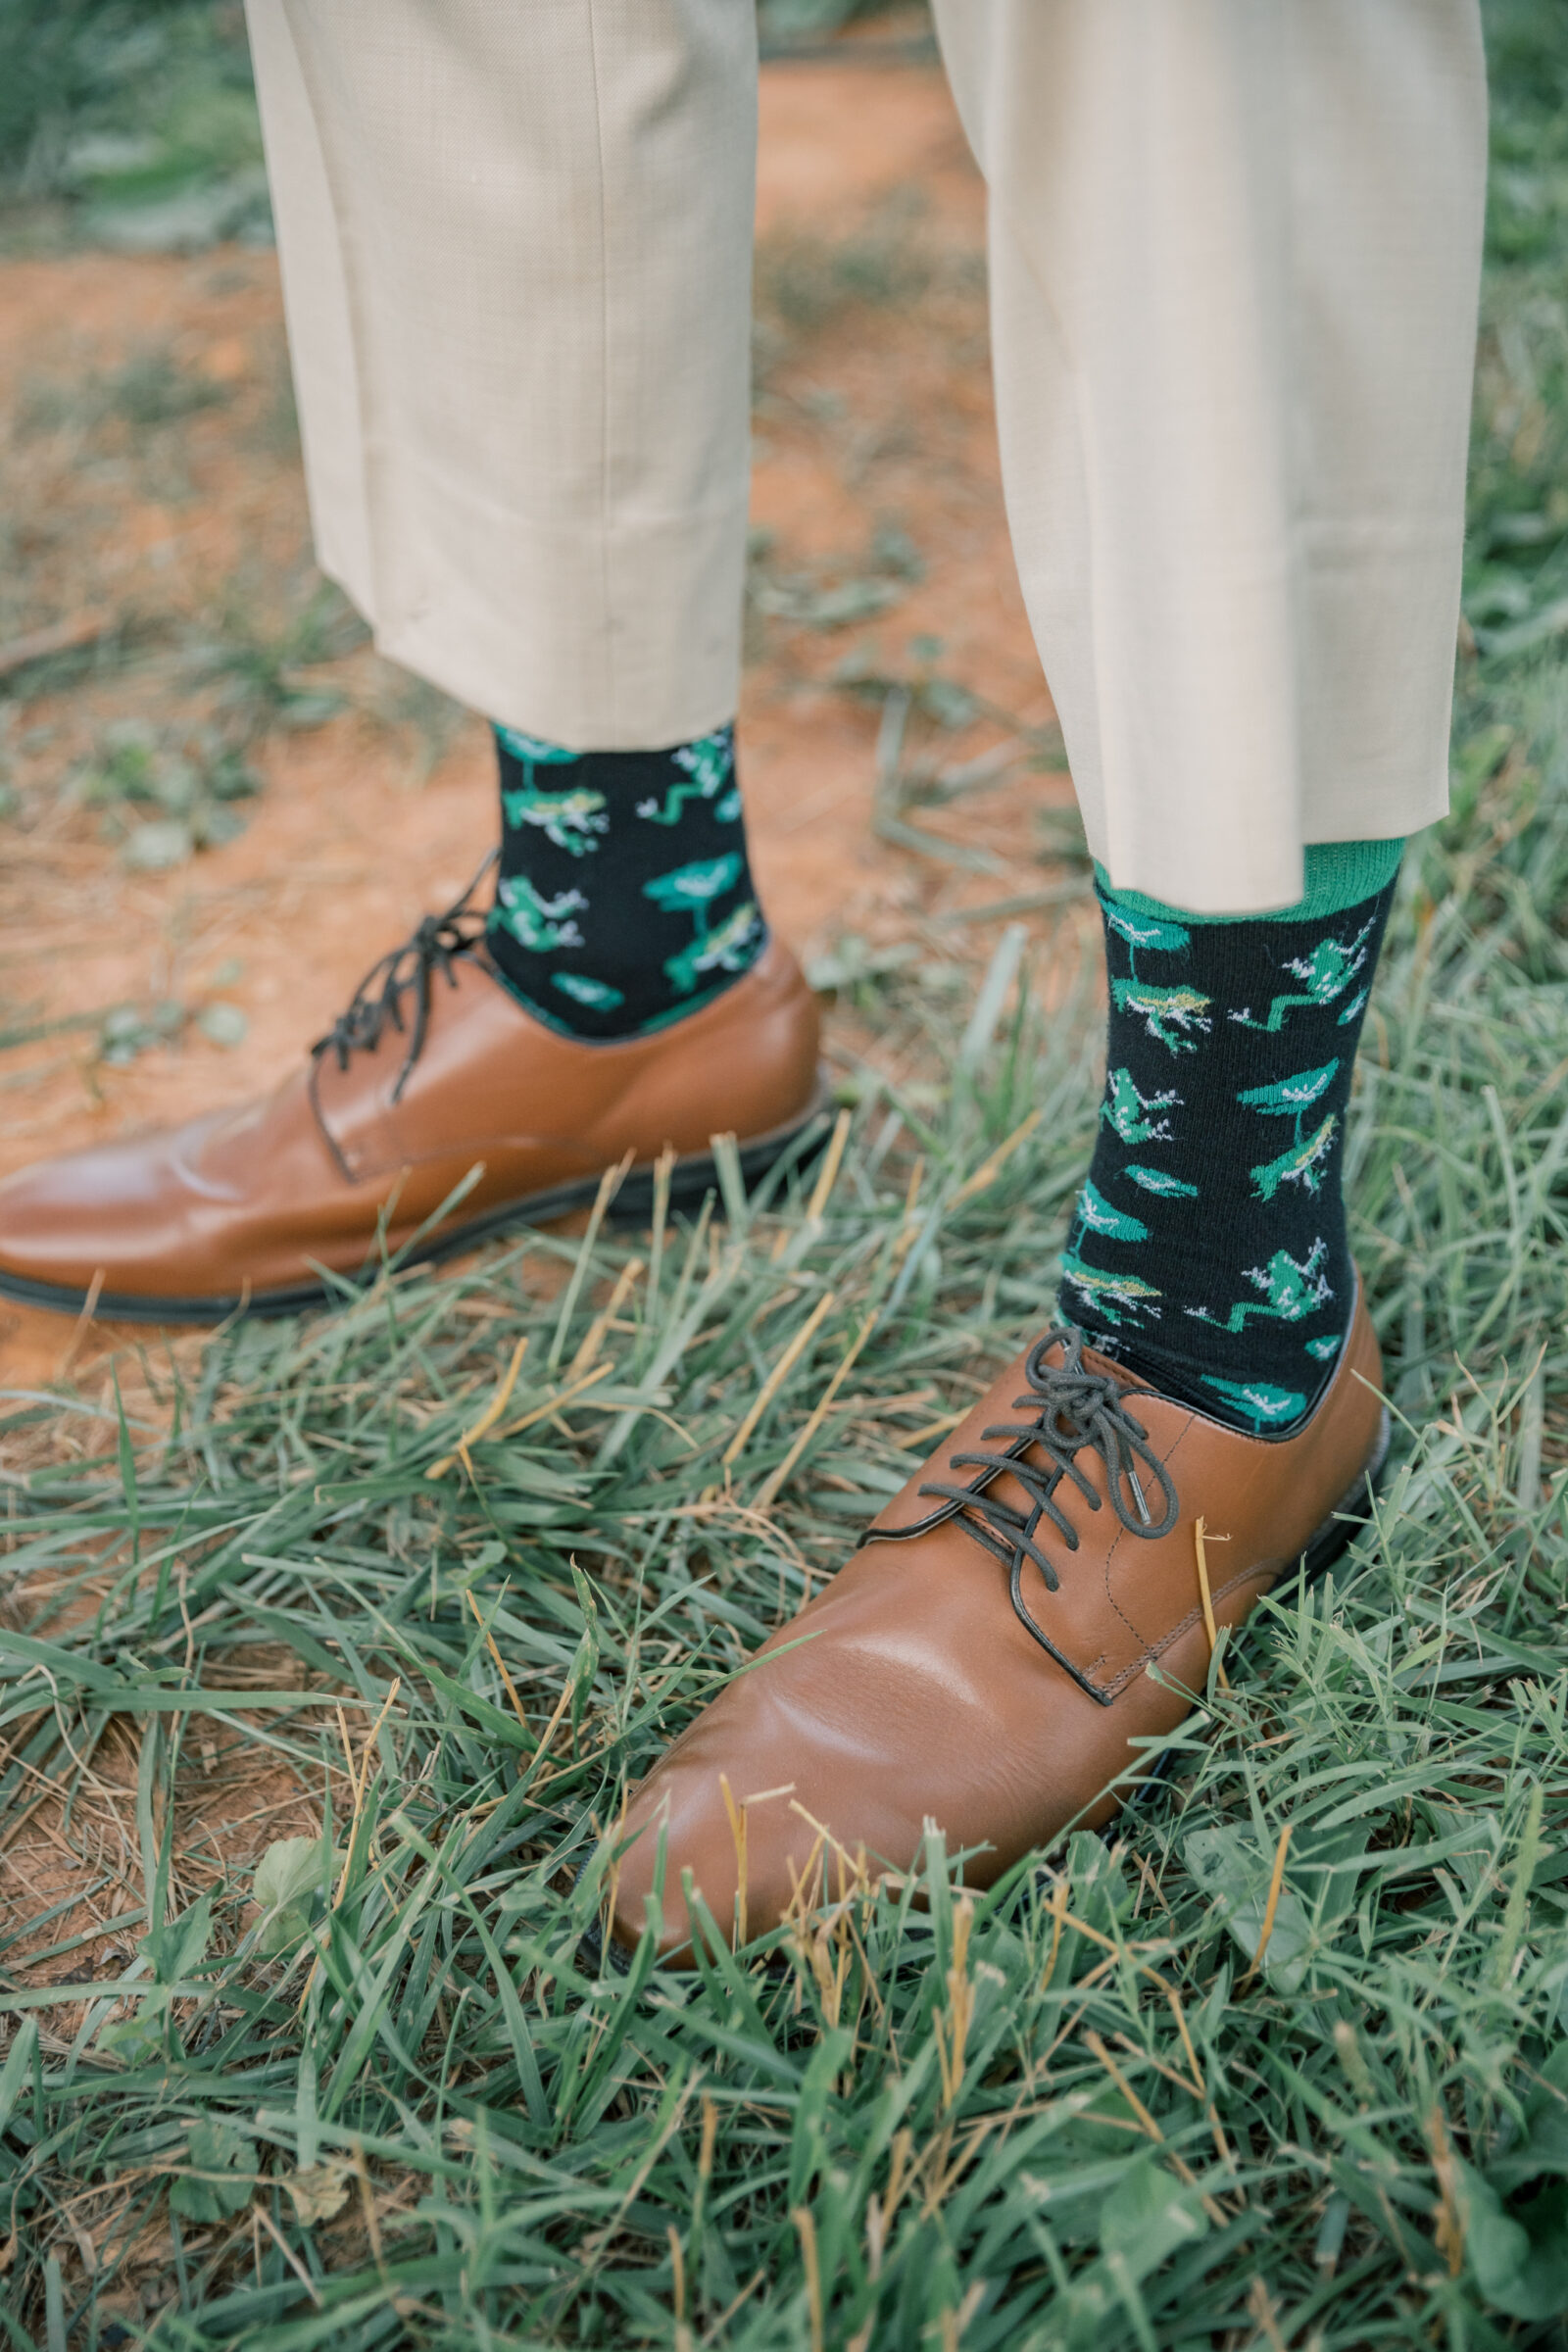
(1235, 256)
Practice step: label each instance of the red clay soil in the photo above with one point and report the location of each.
(189, 533)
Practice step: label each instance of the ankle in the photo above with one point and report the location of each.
(1209, 1249)
(624, 899)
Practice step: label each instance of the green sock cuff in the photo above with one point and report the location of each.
(1338, 874)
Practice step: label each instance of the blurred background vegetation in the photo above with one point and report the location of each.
(132, 122)
(129, 122)
(1516, 576)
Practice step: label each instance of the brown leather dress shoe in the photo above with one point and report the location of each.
(432, 1072)
(985, 1659)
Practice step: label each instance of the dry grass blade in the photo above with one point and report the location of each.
(487, 1419)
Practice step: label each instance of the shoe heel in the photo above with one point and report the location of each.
(1351, 1513)
(691, 1179)
(1334, 1537)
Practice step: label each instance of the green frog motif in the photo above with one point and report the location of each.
(1291, 1287)
(1325, 975)
(1167, 1013)
(1126, 1111)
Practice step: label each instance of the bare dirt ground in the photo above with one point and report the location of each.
(153, 494)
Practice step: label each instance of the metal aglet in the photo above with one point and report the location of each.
(1144, 1511)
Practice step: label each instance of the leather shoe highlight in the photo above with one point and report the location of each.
(985, 1659)
(434, 1070)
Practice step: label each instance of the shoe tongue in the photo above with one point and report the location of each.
(1149, 1398)
(1149, 1383)
(1106, 1367)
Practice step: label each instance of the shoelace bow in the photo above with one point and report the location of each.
(377, 1002)
(1071, 1410)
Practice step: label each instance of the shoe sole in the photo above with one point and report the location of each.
(691, 1179)
(1351, 1512)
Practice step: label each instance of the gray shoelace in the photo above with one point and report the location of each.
(1071, 1410)
(377, 1002)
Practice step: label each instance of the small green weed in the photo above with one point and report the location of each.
(136, 124)
(149, 388)
(803, 281)
(262, 666)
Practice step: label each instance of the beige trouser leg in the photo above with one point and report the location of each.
(1235, 255)
(515, 241)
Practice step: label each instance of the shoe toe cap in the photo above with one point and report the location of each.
(113, 1210)
(676, 1825)
(821, 1762)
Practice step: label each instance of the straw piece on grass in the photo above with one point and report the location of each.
(806, 2227)
(776, 1378)
(1276, 1882)
(1199, 1539)
(593, 1336)
(775, 1478)
(487, 1419)
(737, 1831)
(827, 1174)
(82, 1325)
(553, 1404)
(989, 1169)
(501, 1663)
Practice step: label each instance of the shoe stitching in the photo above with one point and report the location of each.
(1147, 1649)
(1273, 1569)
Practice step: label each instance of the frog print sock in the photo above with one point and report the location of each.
(624, 899)
(1208, 1249)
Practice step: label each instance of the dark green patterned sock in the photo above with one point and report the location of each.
(1208, 1249)
(624, 899)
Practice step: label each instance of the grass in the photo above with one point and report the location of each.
(150, 388)
(402, 2100)
(137, 119)
(1517, 585)
(127, 121)
(804, 279)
